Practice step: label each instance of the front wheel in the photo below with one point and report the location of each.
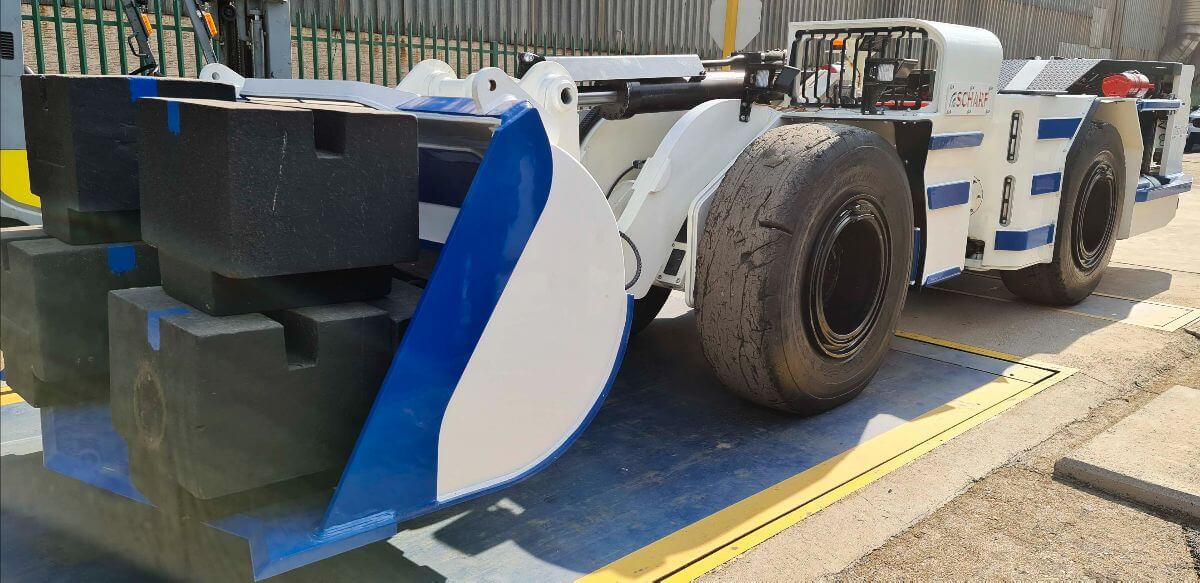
(803, 266)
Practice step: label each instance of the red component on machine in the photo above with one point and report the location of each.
(1127, 84)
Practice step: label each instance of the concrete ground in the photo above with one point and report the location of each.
(986, 504)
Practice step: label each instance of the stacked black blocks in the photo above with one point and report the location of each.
(224, 404)
(255, 364)
(54, 315)
(81, 134)
(82, 146)
(287, 207)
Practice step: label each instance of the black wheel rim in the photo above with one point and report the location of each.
(1094, 217)
(847, 278)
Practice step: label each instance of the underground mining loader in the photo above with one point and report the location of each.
(305, 311)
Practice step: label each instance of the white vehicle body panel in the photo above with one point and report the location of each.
(1036, 173)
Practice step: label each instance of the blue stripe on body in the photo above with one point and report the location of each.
(942, 275)
(1024, 240)
(955, 140)
(948, 194)
(1046, 183)
(1058, 128)
(1156, 104)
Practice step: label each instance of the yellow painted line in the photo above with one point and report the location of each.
(981, 351)
(698, 548)
(14, 178)
(10, 398)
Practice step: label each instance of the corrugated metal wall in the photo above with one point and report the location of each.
(1118, 28)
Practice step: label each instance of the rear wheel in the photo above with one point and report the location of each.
(1093, 194)
(803, 267)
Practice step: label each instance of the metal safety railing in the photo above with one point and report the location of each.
(71, 36)
(888, 67)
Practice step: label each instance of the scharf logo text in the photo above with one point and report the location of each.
(970, 98)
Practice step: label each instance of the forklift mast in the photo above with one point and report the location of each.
(255, 37)
(252, 38)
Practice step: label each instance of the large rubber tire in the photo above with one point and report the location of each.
(804, 266)
(1093, 195)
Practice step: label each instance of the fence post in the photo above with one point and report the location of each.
(59, 45)
(178, 40)
(457, 51)
(358, 47)
(316, 53)
(35, 9)
(120, 37)
(329, 45)
(158, 31)
(371, 47)
(298, 23)
(479, 44)
(408, 42)
(101, 45)
(385, 52)
(83, 68)
(399, 75)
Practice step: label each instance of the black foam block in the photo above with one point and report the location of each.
(221, 406)
(218, 295)
(54, 313)
(81, 136)
(279, 191)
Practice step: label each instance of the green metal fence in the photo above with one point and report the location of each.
(70, 37)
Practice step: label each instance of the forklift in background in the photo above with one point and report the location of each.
(251, 37)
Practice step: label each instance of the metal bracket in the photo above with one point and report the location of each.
(767, 78)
